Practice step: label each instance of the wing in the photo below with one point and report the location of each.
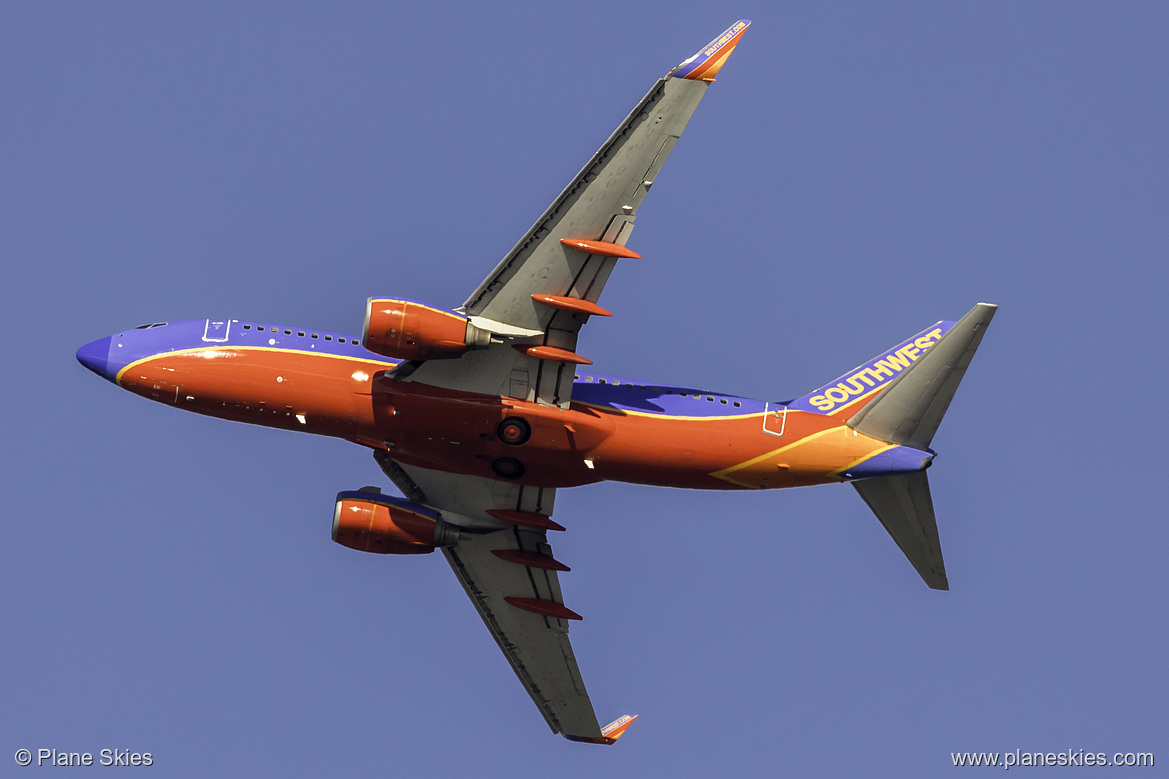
(538, 297)
(511, 577)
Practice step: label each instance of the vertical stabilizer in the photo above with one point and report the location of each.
(903, 504)
(910, 409)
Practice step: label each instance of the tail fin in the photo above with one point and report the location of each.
(910, 409)
(908, 412)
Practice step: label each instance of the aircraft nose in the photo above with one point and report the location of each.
(96, 356)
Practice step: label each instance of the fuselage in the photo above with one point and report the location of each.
(615, 429)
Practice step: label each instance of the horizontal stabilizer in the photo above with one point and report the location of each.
(910, 409)
(903, 504)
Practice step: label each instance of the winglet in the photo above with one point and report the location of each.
(616, 729)
(705, 64)
(610, 733)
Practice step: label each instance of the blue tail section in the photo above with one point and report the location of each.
(851, 390)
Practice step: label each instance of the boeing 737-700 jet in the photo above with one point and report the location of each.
(479, 414)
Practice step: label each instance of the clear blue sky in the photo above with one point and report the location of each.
(859, 171)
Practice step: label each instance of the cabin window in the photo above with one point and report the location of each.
(247, 327)
(588, 379)
(328, 338)
(738, 404)
(288, 332)
(723, 401)
(314, 335)
(301, 334)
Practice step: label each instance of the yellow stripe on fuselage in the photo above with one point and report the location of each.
(868, 456)
(723, 474)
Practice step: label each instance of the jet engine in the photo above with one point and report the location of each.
(368, 521)
(409, 330)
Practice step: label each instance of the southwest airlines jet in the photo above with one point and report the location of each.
(479, 414)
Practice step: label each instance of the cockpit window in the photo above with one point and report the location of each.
(153, 324)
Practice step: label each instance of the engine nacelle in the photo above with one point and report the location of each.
(409, 330)
(372, 522)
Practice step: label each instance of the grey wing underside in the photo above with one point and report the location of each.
(600, 203)
(536, 646)
(463, 499)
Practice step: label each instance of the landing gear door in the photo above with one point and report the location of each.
(774, 419)
(519, 384)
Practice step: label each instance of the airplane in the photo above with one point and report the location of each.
(479, 414)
